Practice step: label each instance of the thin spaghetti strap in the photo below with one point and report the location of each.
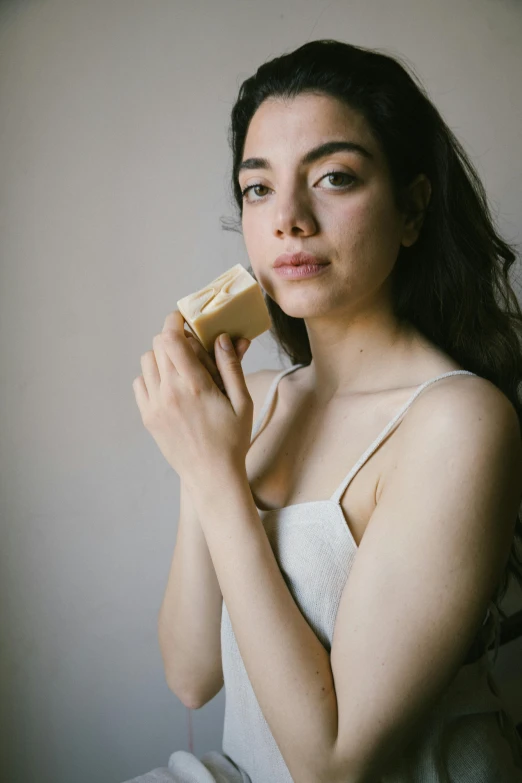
(269, 397)
(336, 497)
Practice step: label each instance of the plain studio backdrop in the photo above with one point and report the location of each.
(114, 168)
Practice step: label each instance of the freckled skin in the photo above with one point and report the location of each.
(356, 227)
(353, 223)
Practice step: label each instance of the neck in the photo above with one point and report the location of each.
(358, 355)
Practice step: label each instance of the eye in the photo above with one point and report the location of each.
(339, 174)
(251, 187)
(257, 185)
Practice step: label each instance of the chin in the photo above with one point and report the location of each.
(311, 309)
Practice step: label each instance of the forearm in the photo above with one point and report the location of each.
(190, 615)
(286, 663)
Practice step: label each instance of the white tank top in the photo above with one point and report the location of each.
(315, 551)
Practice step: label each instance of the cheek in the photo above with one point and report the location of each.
(252, 234)
(366, 222)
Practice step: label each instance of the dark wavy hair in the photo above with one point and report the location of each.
(453, 283)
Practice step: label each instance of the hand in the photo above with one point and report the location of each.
(196, 426)
(208, 359)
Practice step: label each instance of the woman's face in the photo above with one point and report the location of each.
(347, 217)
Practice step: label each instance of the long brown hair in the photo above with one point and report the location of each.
(453, 283)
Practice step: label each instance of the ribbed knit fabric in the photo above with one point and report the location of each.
(184, 767)
(468, 738)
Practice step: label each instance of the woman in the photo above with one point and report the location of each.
(404, 307)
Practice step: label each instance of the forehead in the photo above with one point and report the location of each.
(299, 123)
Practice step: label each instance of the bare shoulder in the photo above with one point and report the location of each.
(462, 400)
(468, 414)
(258, 384)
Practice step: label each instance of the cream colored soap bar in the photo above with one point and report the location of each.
(231, 303)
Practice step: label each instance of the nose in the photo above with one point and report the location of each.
(293, 214)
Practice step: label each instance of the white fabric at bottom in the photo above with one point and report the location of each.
(158, 775)
(184, 767)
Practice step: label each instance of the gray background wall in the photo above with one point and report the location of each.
(113, 177)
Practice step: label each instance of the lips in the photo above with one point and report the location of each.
(297, 259)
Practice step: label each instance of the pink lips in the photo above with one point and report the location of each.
(297, 259)
(301, 271)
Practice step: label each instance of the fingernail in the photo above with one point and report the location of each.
(225, 342)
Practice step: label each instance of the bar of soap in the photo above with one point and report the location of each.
(231, 303)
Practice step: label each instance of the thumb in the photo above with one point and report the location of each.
(231, 371)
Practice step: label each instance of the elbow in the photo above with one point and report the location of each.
(184, 698)
(349, 774)
(351, 770)
(344, 775)
(174, 685)
(337, 767)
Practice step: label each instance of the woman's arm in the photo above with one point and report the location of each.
(431, 557)
(189, 621)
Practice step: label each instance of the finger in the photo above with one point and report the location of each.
(201, 353)
(180, 360)
(174, 355)
(189, 332)
(165, 365)
(236, 343)
(149, 368)
(242, 347)
(233, 378)
(206, 360)
(211, 368)
(174, 322)
(141, 395)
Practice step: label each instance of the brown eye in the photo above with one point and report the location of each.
(340, 174)
(252, 187)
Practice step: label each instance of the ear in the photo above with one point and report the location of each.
(418, 198)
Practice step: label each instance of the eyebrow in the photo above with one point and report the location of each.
(313, 155)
